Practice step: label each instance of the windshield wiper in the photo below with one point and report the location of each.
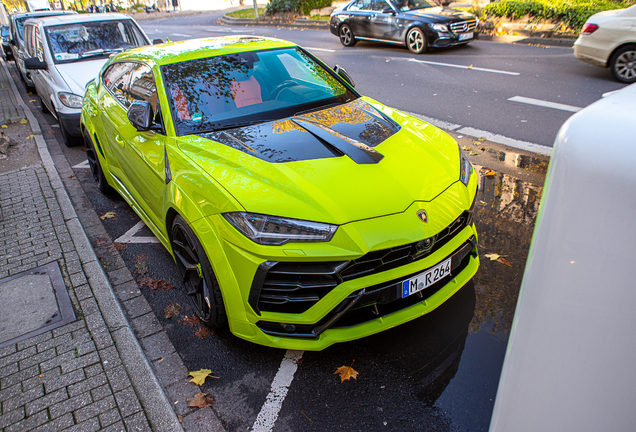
(100, 51)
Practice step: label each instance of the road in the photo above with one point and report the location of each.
(439, 84)
(437, 373)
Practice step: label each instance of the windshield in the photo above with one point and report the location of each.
(71, 42)
(247, 88)
(407, 5)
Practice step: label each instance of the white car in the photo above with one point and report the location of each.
(67, 52)
(608, 39)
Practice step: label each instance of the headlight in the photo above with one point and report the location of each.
(274, 230)
(439, 28)
(466, 168)
(70, 100)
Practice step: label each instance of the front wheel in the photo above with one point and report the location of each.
(416, 41)
(200, 283)
(623, 64)
(346, 36)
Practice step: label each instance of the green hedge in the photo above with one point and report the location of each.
(572, 13)
(302, 7)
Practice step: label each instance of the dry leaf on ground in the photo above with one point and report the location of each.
(492, 256)
(191, 320)
(172, 310)
(466, 148)
(200, 400)
(101, 241)
(117, 246)
(141, 266)
(108, 215)
(505, 262)
(23, 121)
(346, 372)
(198, 377)
(498, 258)
(487, 172)
(204, 332)
(473, 153)
(144, 281)
(482, 138)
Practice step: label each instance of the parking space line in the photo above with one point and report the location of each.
(269, 412)
(129, 236)
(319, 49)
(83, 165)
(181, 35)
(545, 104)
(464, 67)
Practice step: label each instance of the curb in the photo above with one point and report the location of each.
(563, 42)
(158, 409)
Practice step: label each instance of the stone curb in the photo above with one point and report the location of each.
(158, 409)
(528, 40)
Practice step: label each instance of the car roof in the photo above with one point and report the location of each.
(191, 49)
(42, 13)
(80, 18)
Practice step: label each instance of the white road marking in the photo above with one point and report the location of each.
(129, 236)
(269, 412)
(220, 29)
(546, 104)
(319, 49)
(511, 142)
(464, 67)
(181, 35)
(83, 165)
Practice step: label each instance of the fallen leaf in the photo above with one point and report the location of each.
(190, 320)
(483, 149)
(145, 281)
(466, 148)
(487, 172)
(29, 93)
(108, 215)
(141, 266)
(200, 400)
(204, 332)
(101, 241)
(23, 121)
(482, 138)
(492, 257)
(30, 136)
(505, 262)
(117, 247)
(71, 176)
(476, 143)
(32, 100)
(473, 153)
(199, 376)
(346, 372)
(180, 419)
(156, 284)
(470, 67)
(4, 126)
(172, 310)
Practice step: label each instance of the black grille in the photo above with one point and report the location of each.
(293, 287)
(463, 26)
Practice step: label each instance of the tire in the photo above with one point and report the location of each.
(416, 41)
(199, 281)
(96, 166)
(623, 64)
(43, 107)
(346, 36)
(69, 140)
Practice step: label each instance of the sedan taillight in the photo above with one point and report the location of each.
(588, 29)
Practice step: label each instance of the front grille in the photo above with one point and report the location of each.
(294, 287)
(371, 302)
(463, 26)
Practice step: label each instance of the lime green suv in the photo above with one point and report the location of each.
(298, 211)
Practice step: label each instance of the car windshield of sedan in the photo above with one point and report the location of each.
(73, 42)
(407, 5)
(245, 88)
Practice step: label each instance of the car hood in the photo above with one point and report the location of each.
(440, 14)
(302, 167)
(79, 73)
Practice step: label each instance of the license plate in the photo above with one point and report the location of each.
(426, 279)
(465, 36)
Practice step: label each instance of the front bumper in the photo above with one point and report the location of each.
(452, 39)
(71, 123)
(315, 312)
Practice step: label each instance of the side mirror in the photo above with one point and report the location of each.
(12, 42)
(342, 73)
(140, 115)
(388, 11)
(157, 41)
(35, 63)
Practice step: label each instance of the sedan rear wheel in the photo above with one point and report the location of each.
(200, 283)
(416, 41)
(623, 64)
(346, 36)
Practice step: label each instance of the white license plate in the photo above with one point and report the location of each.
(465, 36)
(426, 279)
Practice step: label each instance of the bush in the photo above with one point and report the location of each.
(572, 13)
(302, 7)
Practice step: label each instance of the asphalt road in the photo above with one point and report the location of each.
(468, 97)
(437, 373)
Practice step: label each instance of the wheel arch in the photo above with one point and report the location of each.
(623, 45)
(423, 26)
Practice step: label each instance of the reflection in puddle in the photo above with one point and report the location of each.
(505, 216)
(537, 165)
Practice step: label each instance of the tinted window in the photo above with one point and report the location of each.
(360, 5)
(407, 5)
(71, 42)
(142, 87)
(116, 79)
(217, 92)
(380, 5)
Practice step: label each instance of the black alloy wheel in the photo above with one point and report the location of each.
(199, 281)
(416, 41)
(346, 36)
(93, 162)
(623, 64)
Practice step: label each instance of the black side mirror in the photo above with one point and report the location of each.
(12, 42)
(388, 11)
(157, 41)
(342, 73)
(140, 115)
(35, 63)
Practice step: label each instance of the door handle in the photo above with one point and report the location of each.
(120, 140)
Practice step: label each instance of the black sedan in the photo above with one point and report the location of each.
(418, 24)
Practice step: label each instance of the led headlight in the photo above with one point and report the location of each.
(439, 28)
(465, 168)
(70, 100)
(274, 230)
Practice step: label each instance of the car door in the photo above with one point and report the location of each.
(383, 24)
(34, 47)
(360, 18)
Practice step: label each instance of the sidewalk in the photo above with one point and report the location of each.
(68, 357)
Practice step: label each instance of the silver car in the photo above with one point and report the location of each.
(65, 53)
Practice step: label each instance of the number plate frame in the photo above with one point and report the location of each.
(465, 36)
(425, 279)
